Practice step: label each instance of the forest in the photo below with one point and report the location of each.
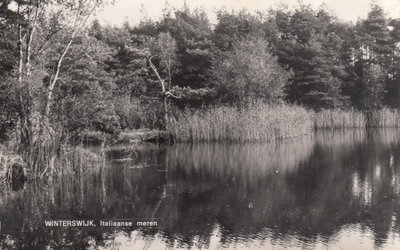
(248, 77)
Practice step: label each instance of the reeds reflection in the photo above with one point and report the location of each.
(326, 190)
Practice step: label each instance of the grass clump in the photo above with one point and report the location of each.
(255, 122)
(70, 160)
(8, 163)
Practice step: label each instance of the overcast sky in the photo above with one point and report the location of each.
(134, 10)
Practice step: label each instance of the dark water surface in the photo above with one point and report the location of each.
(333, 190)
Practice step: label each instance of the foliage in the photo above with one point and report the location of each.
(372, 89)
(85, 97)
(10, 107)
(232, 27)
(192, 33)
(310, 47)
(249, 71)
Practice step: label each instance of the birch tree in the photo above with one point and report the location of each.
(41, 26)
(79, 12)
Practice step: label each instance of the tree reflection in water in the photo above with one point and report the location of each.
(316, 191)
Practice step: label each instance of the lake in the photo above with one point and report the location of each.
(335, 189)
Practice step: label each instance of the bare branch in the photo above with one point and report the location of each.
(156, 72)
(169, 94)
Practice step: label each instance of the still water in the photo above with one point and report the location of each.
(335, 190)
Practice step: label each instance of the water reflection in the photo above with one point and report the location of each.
(335, 189)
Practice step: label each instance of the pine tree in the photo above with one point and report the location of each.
(310, 47)
(192, 33)
(232, 27)
(373, 59)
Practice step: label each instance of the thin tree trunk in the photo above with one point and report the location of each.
(24, 119)
(29, 42)
(165, 104)
(27, 131)
(164, 93)
(55, 78)
(21, 53)
(169, 74)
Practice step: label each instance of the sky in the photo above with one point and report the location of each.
(135, 10)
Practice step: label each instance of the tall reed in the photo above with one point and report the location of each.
(256, 122)
(383, 118)
(334, 119)
(338, 119)
(74, 160)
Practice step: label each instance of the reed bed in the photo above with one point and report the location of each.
(383, 118)
(336, 119)
(256, 122)
(340, 119)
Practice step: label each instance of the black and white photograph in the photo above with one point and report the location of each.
(200, 124)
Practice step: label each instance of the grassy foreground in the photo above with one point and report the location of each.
(257, 122)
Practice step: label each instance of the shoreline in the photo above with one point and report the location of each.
(127, 136)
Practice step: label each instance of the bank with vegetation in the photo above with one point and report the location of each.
(269, 76)
(255, 122)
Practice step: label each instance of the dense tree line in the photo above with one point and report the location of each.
(58, 74)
